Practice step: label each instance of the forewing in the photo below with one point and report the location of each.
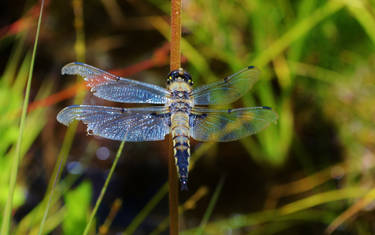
(228, 125)
(228, 90)
(133, 124)
(114, 88)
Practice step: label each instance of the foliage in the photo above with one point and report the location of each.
(77, 205)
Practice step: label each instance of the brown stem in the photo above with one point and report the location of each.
(175, 63)
(175, 34)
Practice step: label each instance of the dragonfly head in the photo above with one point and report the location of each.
(179, 75)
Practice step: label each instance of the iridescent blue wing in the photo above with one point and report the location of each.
(228, 125)
(114, 88)
(228, 90)
(133, 124)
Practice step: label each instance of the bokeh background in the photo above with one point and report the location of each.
(311, 172)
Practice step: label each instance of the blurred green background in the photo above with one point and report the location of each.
(311, 172)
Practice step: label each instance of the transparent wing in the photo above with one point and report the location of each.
(114, 88)
(133, 124)
(228, 125)
(228, 90)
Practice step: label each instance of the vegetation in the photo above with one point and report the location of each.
(310, 173)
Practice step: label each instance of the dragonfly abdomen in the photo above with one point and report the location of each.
(181, 145)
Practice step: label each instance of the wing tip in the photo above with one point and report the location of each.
(69, 69)
(275, 115)
(64, 116)
(253, 68)
(61, 119)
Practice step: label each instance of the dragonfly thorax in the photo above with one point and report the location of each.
(180, 88)
(180, 107)
(176, 94)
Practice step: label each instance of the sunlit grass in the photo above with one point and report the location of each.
(6, 219)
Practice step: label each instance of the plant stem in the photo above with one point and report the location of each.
(69, 136)
(175, 59)
(16, 159)
(211, 206)
(175, 63)
(104, 189)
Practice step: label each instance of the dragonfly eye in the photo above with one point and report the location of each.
(190, 82)
(169, 79)
(172, 76)
(179, 74)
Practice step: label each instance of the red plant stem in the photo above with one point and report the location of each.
(24, 22)
(175, 63)
(57, 97)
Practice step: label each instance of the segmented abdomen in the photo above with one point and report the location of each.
(181, 144)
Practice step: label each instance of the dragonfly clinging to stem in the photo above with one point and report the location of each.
(180, 110)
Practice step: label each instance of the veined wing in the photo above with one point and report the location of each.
(228, 125)
(133, 124)
(228, 90)
(114, 88)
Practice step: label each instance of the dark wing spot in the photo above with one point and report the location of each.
(250, 67)
(266, 107)
(203, 115)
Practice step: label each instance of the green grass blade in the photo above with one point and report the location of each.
(15, 57)
(364, 17)
(146, 210)
(80, 50)
(321, 198)
(298, 31)
(15, 163)
(77, 204)
(211, 206)
(61, 160)
(104, 189)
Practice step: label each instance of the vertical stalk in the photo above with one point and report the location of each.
(175, 63)
(175, 60)
(69, 136)
(173, 192)
(104, 189)
(5, 225)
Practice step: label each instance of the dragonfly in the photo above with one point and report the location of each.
(178, 110)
